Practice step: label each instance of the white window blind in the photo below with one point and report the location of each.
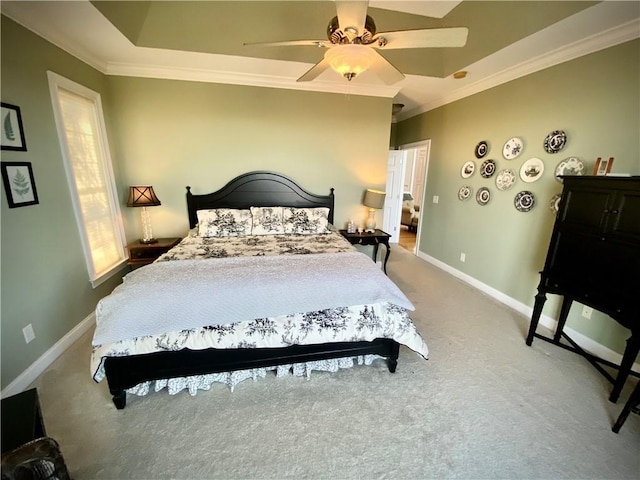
(90, 175)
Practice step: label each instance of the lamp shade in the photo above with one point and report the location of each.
(374, 198)
(142, 196)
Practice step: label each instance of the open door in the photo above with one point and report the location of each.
(393, 199)
(414, 170)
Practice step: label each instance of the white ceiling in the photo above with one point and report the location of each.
(80, 29)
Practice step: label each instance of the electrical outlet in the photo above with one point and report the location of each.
(436, 199)
(28, 333)
(587, 311)
(463, 257)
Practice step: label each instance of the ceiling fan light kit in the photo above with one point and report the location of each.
(350, 60)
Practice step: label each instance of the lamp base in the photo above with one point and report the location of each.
(147, 232)
(370, 224)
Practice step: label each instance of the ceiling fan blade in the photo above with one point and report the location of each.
(425, 38)
(314, 71)
(385, 70)
(352, 15)
(312, 43)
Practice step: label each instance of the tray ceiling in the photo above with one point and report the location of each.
(203, 41)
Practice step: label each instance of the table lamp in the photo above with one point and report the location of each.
(144, 196)
(374, 199)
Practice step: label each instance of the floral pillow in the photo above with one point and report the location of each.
(306, 221)
(224, 222)
(267, 220)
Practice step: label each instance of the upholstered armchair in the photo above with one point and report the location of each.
(410, 212)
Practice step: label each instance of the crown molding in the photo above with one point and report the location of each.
(600, 41)
(247, 79)
(53, 38)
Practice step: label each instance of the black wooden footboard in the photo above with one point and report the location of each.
(126, 372)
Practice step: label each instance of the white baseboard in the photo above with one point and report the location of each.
(34, 370)
(585, 342)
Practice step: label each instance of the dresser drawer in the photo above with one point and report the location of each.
(145, 253)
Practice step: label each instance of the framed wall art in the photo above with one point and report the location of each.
(12, 137)
(19, 184)
(603, 166)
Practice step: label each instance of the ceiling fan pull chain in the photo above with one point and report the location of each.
(347, 90)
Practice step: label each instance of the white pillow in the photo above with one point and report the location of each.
(306, 221)
(267, 220)
(224, 222)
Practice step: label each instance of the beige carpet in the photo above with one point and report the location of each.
(484, 406)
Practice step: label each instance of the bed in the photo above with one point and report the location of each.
(223, 310)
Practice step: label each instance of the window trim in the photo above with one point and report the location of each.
(57, 82)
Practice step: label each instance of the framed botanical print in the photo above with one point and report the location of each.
(19, 184)
(12, 132)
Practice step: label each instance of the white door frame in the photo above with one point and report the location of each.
(416, 145)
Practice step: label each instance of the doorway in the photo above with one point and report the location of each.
(406, 181)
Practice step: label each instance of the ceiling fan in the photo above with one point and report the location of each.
(353, 41)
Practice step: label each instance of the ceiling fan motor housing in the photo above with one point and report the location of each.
(338, 36)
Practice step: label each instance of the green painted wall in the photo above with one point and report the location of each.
(595, 99)
(44, 276)
(173, 133)
(169, 134)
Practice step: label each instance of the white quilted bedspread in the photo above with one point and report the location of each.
(188, 294)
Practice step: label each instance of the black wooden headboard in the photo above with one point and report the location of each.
(257, 189)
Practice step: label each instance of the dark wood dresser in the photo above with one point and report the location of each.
(594, 258)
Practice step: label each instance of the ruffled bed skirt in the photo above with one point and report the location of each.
(231, 379)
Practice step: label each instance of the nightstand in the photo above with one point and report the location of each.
(376, 238)
(145, 253)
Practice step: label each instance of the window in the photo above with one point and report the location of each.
(85, 151)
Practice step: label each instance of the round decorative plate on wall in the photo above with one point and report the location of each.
(482, 149)
(512, 148)
(555, 141)
(524, 201)
(554, 204)
(505, 179)
(531, 170)
(483, 196)
(465, 192)
(468, 169)
(569, 166)
(488, 168)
